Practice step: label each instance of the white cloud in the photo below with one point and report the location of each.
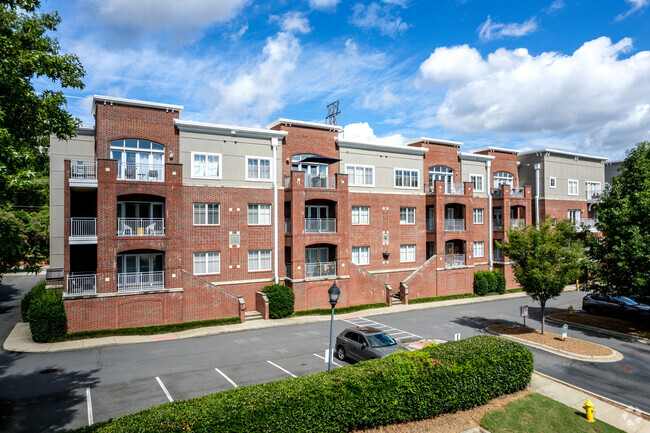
(363, 132)
(380, 98)
(402, 3)
(183, 18)
(592, 93)
(490, 30)
(293, 22)
(324, 5)
(239, 33)
(380, 17)
(555, 6)
(635, 5)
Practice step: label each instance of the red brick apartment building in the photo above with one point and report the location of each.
(157, 220)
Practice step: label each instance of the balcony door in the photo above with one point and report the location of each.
(147, 262)
(321, 212)
(498, 217)
(317, 255)
(139, 210)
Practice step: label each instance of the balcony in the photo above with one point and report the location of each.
(140, 226)
(454, 260)
(586, 224)
(498, 255)
(140, 172)
(431, 225)
(83, 231)
(454, 189)
(83, 174)
(320, 269)
(517, 223)
(287, 225)
(83, 284)
(593, 196)
(287, 269)
(497, 225)
(518, 192)
(320, 225)
(320, 182)
(454, 224)
(139, 281)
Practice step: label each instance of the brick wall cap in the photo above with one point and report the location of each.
(290, 122)
(393, 148)
(214, 128)
(98, 99)
(426, 140)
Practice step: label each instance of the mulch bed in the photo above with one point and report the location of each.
(611, 324)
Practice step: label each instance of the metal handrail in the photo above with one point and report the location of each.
(141, 172)
(321, 269)
(518, 223)
(81, 284)
(138, 281)
(83, 169)
(83, 226)
(320, 225)
(453, 188)
(517, 192)
(321, 182)
(141, 226)
(452, 260)
(454, 225)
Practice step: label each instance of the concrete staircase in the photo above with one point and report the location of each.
(251, 316)
(397, 300)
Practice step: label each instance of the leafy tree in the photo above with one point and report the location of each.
(545, 259)
(620, 259)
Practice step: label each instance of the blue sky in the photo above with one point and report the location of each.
(566, 74)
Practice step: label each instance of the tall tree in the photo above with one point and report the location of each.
(620, 259)
(545, 259)
(27, 117)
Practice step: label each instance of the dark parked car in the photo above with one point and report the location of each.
(363, 343)
(619, 306)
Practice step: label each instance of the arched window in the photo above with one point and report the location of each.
(440, 172)
(503, 178)
(138, 159)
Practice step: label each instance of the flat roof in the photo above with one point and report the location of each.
(290, 122)
(135, 102)
(376, 147)
(496, 149)
(563, 152)
(214, 128)
(434, 141)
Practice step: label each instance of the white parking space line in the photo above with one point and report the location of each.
(325, 359)
(226, 377)
(169, 397)
(89, 405)
(286, 371)
(360, 321)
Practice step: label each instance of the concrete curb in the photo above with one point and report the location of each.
(601, 330)
(615, 356)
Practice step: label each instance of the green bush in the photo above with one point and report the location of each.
(281, 299)
(481, 283)
(342, 310)
(402, 387)
(501, 282)
(489, 282)
(47, 317)
(35, 293)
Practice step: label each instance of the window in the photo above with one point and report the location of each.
(407, 178)
(259, 260)
(574, 215)
(259, 214)
(479, 249)
(206, 214)
(553, 183)
(477, 181)
(407, 253)
(258, 168)
(478, 216)
(407, 215)
(207, 263)
(593, 190)
(573, 187)
(141, 160)
(503, 178)
(206, 165)
(360, 175)
(360, 215)
(361, 255)
(445, 174)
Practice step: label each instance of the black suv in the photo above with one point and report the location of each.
(619, 306)
(363, 343)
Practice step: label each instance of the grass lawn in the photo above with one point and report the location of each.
(535, 413)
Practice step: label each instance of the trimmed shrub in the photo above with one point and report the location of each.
(401, 387)
(501, 282)
(492, 281)
(35, 293)
(281, 299)
(47, 319)
(481, 284)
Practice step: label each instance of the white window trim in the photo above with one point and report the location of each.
(258, 204)
(253, 179)
(482, 215)
(482, 182)
(474, 248)
(205, 253)
(351, 182)
(569, 187)
(359, 224)
(552, 183)
(206, 177)
(352, 254)
(259, 261)
(407, 215)
(206, 215)
(406, 169)
(414, 253)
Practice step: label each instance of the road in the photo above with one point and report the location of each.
(59, 391)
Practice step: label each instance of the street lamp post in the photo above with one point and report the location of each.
(333, 293)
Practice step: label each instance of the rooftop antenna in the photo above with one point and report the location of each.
(332, 112)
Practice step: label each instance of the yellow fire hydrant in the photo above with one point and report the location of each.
(589, 411)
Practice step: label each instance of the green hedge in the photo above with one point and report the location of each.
(489, 282)
(36, 292)
(46, 315)
(342, 310)
(441, 298)
(281, 300)
(401, 387)
(501, 282)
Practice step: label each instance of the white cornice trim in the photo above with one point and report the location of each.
(233, 131)
(474, 156)
(100, 99)
(564, 153)
(496, 149)
(375, 147)
(426, 140)
(290, 122)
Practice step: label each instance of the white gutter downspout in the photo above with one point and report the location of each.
(274, 146)
(537, 167)
(490, 234)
